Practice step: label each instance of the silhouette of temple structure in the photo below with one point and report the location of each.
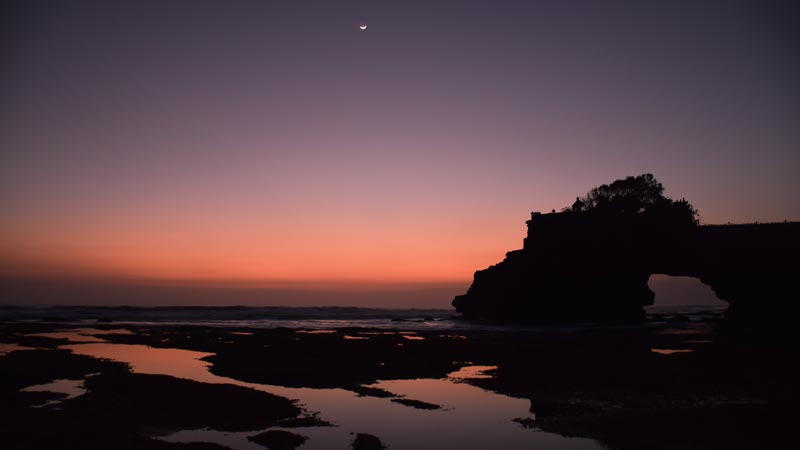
(582, 265)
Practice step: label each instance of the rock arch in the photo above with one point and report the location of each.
(580, 266)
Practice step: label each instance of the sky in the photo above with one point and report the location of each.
(275, 143)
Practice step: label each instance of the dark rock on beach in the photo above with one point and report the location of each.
(159, 401)
(727, 390)
(418, 404)
(304, 421)
(279, 440)
(295, 359)
(26, 368)
(366, 441)
(120, 409)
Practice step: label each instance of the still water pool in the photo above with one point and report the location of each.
(469, 417)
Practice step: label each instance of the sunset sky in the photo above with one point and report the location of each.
(276, 142)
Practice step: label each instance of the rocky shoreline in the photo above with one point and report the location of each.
(672, 383)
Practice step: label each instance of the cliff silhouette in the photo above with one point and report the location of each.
(592, 261)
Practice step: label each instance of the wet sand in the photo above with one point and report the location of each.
(673, 383)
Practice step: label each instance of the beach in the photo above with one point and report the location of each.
(683, 379)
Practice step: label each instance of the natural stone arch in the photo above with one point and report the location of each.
(579, 266)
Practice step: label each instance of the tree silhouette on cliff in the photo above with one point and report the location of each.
(640, 195)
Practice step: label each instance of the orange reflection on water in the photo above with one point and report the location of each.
(70, 388)
(81, 334)
(461, 423)
(471, 372)
(7, 348)
(348, 337)
(71, 336)
(670, 351)
(149, 360)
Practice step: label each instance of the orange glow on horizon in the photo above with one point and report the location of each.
(248, 143)
(352, 253)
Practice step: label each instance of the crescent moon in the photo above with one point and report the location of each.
(363, 26)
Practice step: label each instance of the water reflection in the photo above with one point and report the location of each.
(470, 418)
(70, 388)
(235, 441)
(8, 348)
(453, 336)
(156, 361)
(471, 372)
(670, 351)
(348, 337)
(413, 338)
(81, 334)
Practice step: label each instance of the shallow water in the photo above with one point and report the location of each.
(10, 347)
(82, 334)
(469, 417)
(471, 373)
(670, 351)
(70, 388)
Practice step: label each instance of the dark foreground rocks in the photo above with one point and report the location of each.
(120, 409)
(279, 440)
(364, 441)
(728, 389)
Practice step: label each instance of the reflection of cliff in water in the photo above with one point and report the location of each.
(458, 410)
(594, 265)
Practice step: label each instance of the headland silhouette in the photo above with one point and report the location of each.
(592, 260)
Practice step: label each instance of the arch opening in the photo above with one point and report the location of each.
(682, 291)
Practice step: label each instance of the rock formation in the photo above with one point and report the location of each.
(593, 265)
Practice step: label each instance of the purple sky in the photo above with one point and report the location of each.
(274, 140)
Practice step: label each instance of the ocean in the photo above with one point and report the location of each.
(315, 318)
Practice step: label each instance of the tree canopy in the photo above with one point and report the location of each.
(642, 194)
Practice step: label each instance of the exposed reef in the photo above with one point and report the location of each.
(725, 390)
(120, 409)
(366, 441)
(279, 440)
(587, 264)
